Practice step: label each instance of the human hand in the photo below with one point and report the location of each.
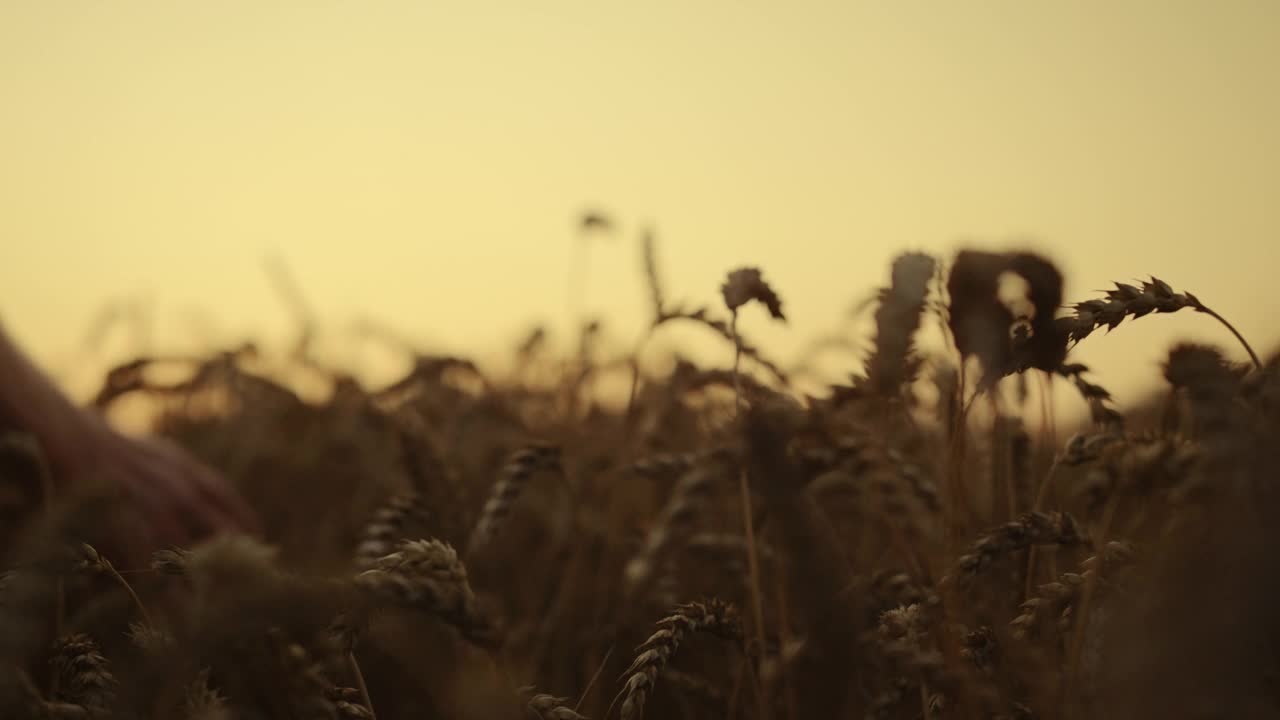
(179, 499)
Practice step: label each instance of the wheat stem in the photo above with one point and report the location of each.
(1041, 496)
(744, 492)
(142, 609)
(592, 682)
(1086, 598)
(1252, 355)
(753, 561)
(360, 684)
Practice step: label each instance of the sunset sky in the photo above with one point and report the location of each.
(423, 163)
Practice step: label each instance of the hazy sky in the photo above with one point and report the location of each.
(423, 162)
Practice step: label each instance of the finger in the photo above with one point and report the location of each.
(139, 470)
(209, 516)
(160, 523)
(174, 505)
(225, 499)
(199, 516)
(229, 511)
(137, 541)
(144, 546)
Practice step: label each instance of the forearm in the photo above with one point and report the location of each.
(29, 401)
(180, 499)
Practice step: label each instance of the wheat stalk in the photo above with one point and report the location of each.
(653, 278)
(83, 675)
(1031, 529)
(380, 535)
(548, 707)
(739, 288)
(204, 702)
(981, 648)
(427, 575)
(897, 319)
(172, 561)
(91, 561)
(304, 687)
(1055, 599)
(1130, 301)
(1098, 398)
(661, 465)
(712, 616)
(728, 332)
(905, 640)
(675, 522)
(519, 469)
(351, 703)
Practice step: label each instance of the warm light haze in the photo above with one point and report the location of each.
(424, 164)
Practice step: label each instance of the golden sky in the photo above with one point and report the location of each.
(423, 162)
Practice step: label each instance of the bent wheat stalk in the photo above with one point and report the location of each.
(1130, 301)
(713, 616)
(427, 574)
(516, 475)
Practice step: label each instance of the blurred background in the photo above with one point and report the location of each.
(425, 165)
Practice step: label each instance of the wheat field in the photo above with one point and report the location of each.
(928, 539)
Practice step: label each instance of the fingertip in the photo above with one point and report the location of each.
(230, 502)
